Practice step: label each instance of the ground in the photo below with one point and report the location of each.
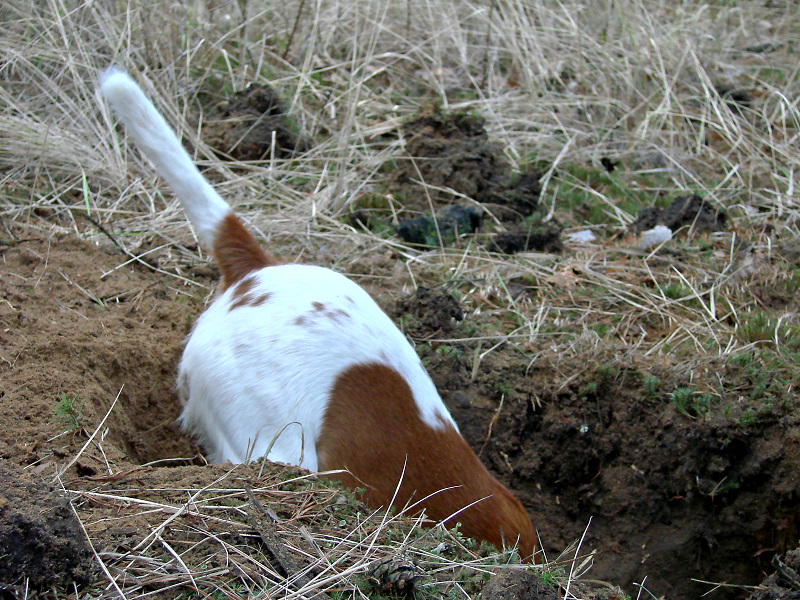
(670, 497)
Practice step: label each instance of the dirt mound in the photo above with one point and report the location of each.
(245, 127)
(451, 160)
(41, 540)
(452, 151)
(666, 497)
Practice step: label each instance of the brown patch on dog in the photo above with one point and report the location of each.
(261, 299)
(237, 252)
(321, 309)
(336, 314)
(244, 286)
(392, 442)
(241, 295)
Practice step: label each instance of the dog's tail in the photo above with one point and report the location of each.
(218, 228)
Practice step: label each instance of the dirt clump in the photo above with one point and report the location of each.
(542, 237)
(448, 151)
(428, 312)
(41, 540)
(692, 212)
(245, 127)
(449, 160)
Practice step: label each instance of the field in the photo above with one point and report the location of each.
(582, 214)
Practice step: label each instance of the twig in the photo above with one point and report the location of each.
(487, 43)
(492, 422)
(91, 437)
(294, 29)
(261, 521)
(786, 572)
(113, 240)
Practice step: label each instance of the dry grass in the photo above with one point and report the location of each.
(559, 83)
(177, 539)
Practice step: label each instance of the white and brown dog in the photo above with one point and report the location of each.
(300, 361)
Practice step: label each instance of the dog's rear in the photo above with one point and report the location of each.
(299, 362)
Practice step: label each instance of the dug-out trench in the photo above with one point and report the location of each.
(666, 500)
(670, 498)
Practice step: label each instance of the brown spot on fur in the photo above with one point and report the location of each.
(337, 314)
(244, 286)
(300, 321)
(390, 435)
(238, 303)
(262, 299)
(322, 310)
(241, 293)
(237, 252)
(249, 300)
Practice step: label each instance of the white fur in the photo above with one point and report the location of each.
(204, 207)
(255, 376)
(252, 373)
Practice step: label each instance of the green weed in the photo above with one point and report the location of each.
(691, 403)
(759, 328)
(448, 351)
(652, 387)
(68, 411)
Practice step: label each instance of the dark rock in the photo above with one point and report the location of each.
(442, 229)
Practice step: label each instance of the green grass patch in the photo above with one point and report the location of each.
(68, 411)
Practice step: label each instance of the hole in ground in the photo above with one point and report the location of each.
(671, 498)
(75, 340)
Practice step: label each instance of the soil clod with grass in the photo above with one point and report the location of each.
(518, 585)
(252, 126)
(450, 159)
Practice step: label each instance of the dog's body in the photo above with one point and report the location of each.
(299, 364)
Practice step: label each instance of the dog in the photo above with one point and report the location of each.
(297, 364)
